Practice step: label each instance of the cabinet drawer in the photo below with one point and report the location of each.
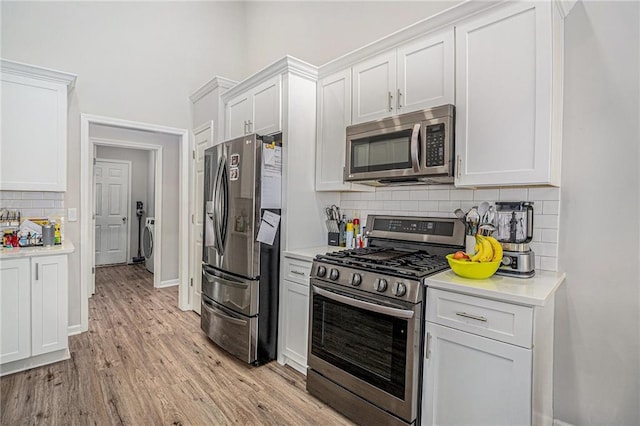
(297, 270)
(501, 321)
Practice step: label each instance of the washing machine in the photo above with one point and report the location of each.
(147, 243)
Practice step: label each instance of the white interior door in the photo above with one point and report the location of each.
(203, 140)
(111, 211)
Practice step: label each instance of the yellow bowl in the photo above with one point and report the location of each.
(475, 270)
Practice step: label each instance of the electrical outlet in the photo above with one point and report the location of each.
(72, 215)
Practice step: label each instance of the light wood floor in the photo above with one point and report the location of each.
(145, 362)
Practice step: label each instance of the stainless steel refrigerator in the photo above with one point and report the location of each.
(242, 184)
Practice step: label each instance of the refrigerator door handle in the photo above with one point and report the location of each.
(224, 226)
(217, 205)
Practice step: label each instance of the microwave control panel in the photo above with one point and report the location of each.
(435, 145)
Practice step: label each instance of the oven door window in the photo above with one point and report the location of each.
(385, 152)
(367, 345)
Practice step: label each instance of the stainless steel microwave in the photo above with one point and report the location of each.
(416, 147)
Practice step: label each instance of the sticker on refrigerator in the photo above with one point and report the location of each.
(234, 173)
(235, 160)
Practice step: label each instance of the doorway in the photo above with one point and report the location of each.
(88, 150)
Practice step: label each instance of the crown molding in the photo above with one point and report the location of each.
(440, 20)
(215, 83)
(40, 73)
(565, 6)
(286, 64)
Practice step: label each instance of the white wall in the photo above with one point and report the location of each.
(320, 31)
(150, 206)
(138, 61)
(168, 263)
(139, 186)
(597, 356)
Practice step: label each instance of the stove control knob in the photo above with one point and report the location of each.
(356, 279)
(381, 285)
(399, 289)
(334, 274)
(322, 271)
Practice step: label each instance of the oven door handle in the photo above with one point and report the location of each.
(415, 134)
(373, 307)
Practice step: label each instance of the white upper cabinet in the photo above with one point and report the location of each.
(416, 75)
(34, 128)
(256, 111)
(425, 72)
(334, 115)
(509, 96)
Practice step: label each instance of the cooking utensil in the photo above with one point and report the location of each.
(472, 218)
(460, 214)
(482, 211)
(332, 212)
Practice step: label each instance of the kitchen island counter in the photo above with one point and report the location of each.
(534, 291)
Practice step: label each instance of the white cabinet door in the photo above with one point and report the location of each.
(473, 380)
(374, 88)
(15, 310)
(425, 72)
(49, 295)
(334, 115)
(504, 96)
(238, 114)
(296, 322)
(267, 103)
(34, 134)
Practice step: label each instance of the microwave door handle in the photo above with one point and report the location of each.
(415, 139)
(372, 307)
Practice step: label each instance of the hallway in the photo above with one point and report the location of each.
(143, 361)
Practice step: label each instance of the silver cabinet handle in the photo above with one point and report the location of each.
(473, 317)
(427, 347)
(390, 100)
(398, 99)
(459, 167)
(298, 273)
(37, 269)
(250, 126)
(245, 127)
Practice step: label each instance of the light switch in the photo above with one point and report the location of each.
(72, 215)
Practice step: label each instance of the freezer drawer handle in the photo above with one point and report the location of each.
(221, 314)
(211, 278)
(372, 307)
(473, 317)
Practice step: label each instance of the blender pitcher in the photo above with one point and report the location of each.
(514, 223)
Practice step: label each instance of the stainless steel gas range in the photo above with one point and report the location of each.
(366, 319)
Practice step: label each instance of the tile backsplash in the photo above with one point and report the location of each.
(33, 203)
(441, 201)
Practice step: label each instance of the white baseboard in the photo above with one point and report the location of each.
(72, 330)
(169, 283)
(557, 422)
(34, 361)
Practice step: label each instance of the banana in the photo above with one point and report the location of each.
(479, 251)
(487, 250)
(497, 249)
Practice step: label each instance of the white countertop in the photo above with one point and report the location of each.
(310, 253)
(16, 252)
(530, 291)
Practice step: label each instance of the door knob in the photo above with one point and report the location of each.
(124, 219)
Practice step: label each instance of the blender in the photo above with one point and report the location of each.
(514, 231)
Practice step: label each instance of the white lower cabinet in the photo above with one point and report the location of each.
(15, 312)
(474, 380)
(294, 313)
(33, 312)
(487, 362)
